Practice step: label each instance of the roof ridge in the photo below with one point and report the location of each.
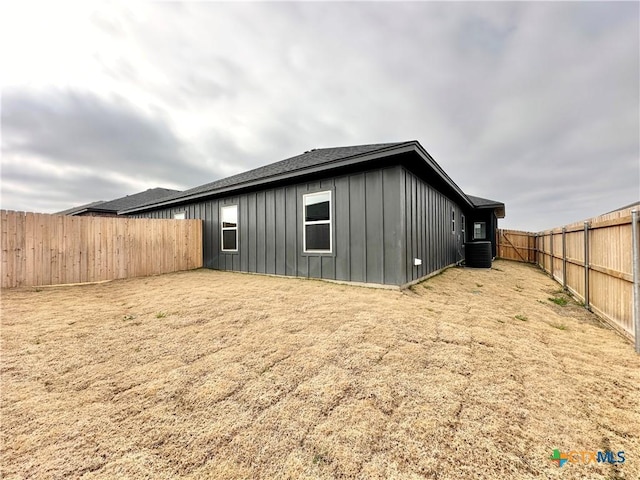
(272, 168)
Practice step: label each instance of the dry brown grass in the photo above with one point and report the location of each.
(222, 375)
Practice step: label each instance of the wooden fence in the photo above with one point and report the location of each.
(591, 259)
(516, 245)
(42, 249)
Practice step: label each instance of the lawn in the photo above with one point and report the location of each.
(207, 374)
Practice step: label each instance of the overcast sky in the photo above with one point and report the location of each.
(536, 105)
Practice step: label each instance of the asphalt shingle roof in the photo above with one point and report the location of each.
(483, 202)
(123, 203)
(305, 160)
(321, 157)
(137, 199)
(80, 208)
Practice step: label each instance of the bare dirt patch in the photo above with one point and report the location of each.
(471, 374)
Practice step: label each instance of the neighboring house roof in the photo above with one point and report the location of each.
(80, 209)
(480, 202)
(624, 208)
(142, 198)
(129, 201)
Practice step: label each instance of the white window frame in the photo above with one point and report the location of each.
(462, 219)
(453, 221)
(317, 222)
(180, 215)
(224, 229)
(485, 231)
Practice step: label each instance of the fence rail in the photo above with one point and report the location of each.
(592, 259)
(43, 249)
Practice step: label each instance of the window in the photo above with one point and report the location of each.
(462, 227)
(229, 216)
(479, 230)
(453, 221)
(317, 222)
(179, 216)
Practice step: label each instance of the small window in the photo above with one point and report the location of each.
(229, 216)
(453, 221)
(179, 216)
(479, 231)
(462, 226)
(317, 222)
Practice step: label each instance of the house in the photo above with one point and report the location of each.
(485, 219)
(374, 214)
(111, 208)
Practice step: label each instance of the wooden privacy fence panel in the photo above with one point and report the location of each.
(593, 260)
(42, 249)
(605, 281)
(516, 245)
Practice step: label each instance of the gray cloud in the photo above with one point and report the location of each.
(79, 128)
(45, 191)
(80, 140)
(533, 104)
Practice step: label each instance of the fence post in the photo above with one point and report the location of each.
(551, 254)
(545, 255)
(564, 258)
(636, 277)
(529, 248)
(586, 265)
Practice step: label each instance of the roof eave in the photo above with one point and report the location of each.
(411, 146)
(438, 169)
(344, 162)
(97, 210)
(76, 212)
(499, 209)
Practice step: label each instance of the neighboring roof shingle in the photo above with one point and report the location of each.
(137, 199)
(308, 159)
(624, 208)
(129, 201)
(81, 208)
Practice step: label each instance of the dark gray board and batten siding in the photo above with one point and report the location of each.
(428, 228)
(366, 246)
(382, 220)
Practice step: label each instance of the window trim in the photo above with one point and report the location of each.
(453, 220)
(180, 215)
(224, 229)
(485, 230)
(317, 222)
(462, 228)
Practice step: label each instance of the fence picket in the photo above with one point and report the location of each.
(597, 265)
(42, 249)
